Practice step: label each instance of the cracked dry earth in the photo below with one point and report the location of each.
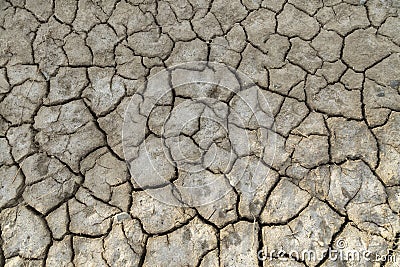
(329, 159)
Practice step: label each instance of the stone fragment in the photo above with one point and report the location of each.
(379, 11)
(293, 22)
(363, 48)
(78, 53)
(311, 151)
(150, 44)
(253, 181)
(5, 154)
(27, 240)
(105, 90)
(332, 71)
(314, 123)
(48, 182)
(352, 80)
(58, 221)
(129, 65)
(66, 85)
(11, 184)
(130, 241)
(228, 15)
(112, 125)
(60, 253)
(291, 114)
(22, 102)
(62, 130)
(90, 13)
(88, 251)
(388, 138)
(198, 237)
(158, 217)
(328, 45)
(335, 100)
(310, 7)
(101, 39)
(88, 215)
(195, 50)
(48, 46)
(303, 55)
(103, 172)
(21, 141)
(42, 8)
(283, 80)
(259, 25)
(352, 139)
(239, 244)
(207, 27)
(286, 201)
(345, 18)
(127, 19)
(388, 28)
(65, 10)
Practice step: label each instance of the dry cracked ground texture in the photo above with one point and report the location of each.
(330, 70)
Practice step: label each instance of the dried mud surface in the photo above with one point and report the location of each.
(330, 70)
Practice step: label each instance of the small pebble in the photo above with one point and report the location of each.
(395, 84)
(122, 216)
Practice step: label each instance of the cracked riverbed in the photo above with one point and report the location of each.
(199, 132)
